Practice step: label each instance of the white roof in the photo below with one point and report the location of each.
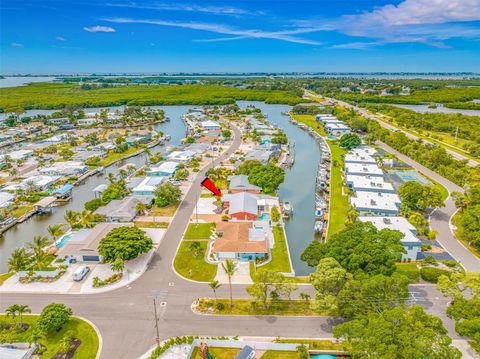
(148, 184)
(363, 169)
(181, 155)
(5, 198)
(369, 182)
(394, 223)
(337, 126)
(376, 201)
(364, 151)
(210, 123)
(167, 167)
(17, 155)
(359, 158)
(40, 180)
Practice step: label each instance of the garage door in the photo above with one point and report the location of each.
(91, 258)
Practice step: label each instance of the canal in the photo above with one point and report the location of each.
(298, 188)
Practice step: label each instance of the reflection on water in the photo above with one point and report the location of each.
(440, 109)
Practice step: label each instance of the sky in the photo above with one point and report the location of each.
(150, 36)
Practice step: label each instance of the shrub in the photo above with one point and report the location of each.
(220, 306)
(53, 317)
(97, 282)
(275, 214)
(225, 218)
(431, 274)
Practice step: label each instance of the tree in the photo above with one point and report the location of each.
(269, 284)
(55, 231)
(247, 166)
(461, 200)
(124, 243)
(53, 317)
(372, 294)
(87, 219)
(416, 196)
(19, 260)
(11, 312)
(350, 141)
(214, 284)
(167, 194)
(140, 207)
(328, 279)
(360, 248)
(71, 217)
(275, 214)
(181, 174)
(118, 265)
(397, 333)
(22, 309)
(38, 248)
(35, 336)
(269, 177)
(66, 342)
(419, 222)
(195, 247)
(303, 352)
(229, 268)
(227, 134)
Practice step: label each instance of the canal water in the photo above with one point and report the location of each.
(440, 109)
(299, 185)
(298, 188)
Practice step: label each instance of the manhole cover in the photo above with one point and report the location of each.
(163, 304)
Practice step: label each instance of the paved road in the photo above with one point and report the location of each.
(440, 218)
(386, 125)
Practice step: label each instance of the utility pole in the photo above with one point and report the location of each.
(157, 339)
(456, 134)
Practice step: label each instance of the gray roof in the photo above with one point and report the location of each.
(121, 209)
(242, 202)
(240, 182)
(245, 353)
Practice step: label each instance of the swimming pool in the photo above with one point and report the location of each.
(323, 356)
(333, 138)
(61, 242)
(264, 216)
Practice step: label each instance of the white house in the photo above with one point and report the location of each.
(181, 156)
(376, 204)
(210, 125)
(410, 242)
(337, 129)
(360, 169)
(6, 199)
(369, 184)
(87, 121)
(18, 155)
(361, 155)
(167, 169)
(106, 146)
(147, 186)
(65, 168)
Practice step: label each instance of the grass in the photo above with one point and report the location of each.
(409, 270)
(5, 276)
(113, 156)
(315, 344)
(442, 189)
(310, 121)
(280, 258)
(246, 307)
(280, 354)
(199, 231)
(191, 267)
(151, 224)
(339, 204)
(21, 211)
(81, 329)
(217, 353)
(167, 211)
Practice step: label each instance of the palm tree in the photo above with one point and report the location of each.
(118, 265)
(38, 248)
(122, 173)
(19, 260)
(230, 268)
(22, 309)
(71, 217)
(111, 177)
(87, 219)
(11, 311)
(55, 231)
(214, 284)
(195, 247)
(36, 336)
(140, 207)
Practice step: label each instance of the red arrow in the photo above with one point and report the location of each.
(208, 184)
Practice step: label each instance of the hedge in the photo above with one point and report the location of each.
(431, 274)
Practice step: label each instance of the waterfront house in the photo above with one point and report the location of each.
(82, 156)
(376, 204)
(244, 241)
(41, 182)
(123, 210)
(18, 155)
(146, 186)
(325, 116)
(104, 146)
(87, 121)
(337, 129)
(360, 169)
(83, 245)
(65, 168)
(240, 183)
(198, 148)
(66, 126)
(360, 157)
(369, 184)
(6, 199)
(241, 206)
(410, 242)
(210, 125)
(59, 121)
(181, 156)
(166, 169)
(264, 156)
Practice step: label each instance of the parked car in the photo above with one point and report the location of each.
(80, 273)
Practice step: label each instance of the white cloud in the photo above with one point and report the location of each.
(210, 9)
(60, 38)
(99, 28)
(16, 44)
(222, 29)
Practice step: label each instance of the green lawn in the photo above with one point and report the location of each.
(151, 224)
(409, 270)
(460, 236)
(5, 276)
(82, 330)
(167, 211)
(310, 121)
(280, 261)
(113, 156)
(280, 354)
(217, 353)
(194, 268)
(199, 231)
(339, 204)
(245, 307)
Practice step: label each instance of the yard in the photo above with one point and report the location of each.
(199, 231)
(113, 156)
(316, 344)
(339, 204)
(167, 211)
(280, 258)
(246, 307)
(193, 266)
(217, 353)
(81, 329)
(278, 354)
(310, 121)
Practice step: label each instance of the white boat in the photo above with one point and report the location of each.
(287, 209)
(318, 227)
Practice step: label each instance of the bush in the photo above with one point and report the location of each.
(431, 274)
(97, 282)
(225, 218)
(125, 243)
(53, 317)
(94, 204)
(275, 214)
(220, 306)
(449, 263)
(426, 247)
